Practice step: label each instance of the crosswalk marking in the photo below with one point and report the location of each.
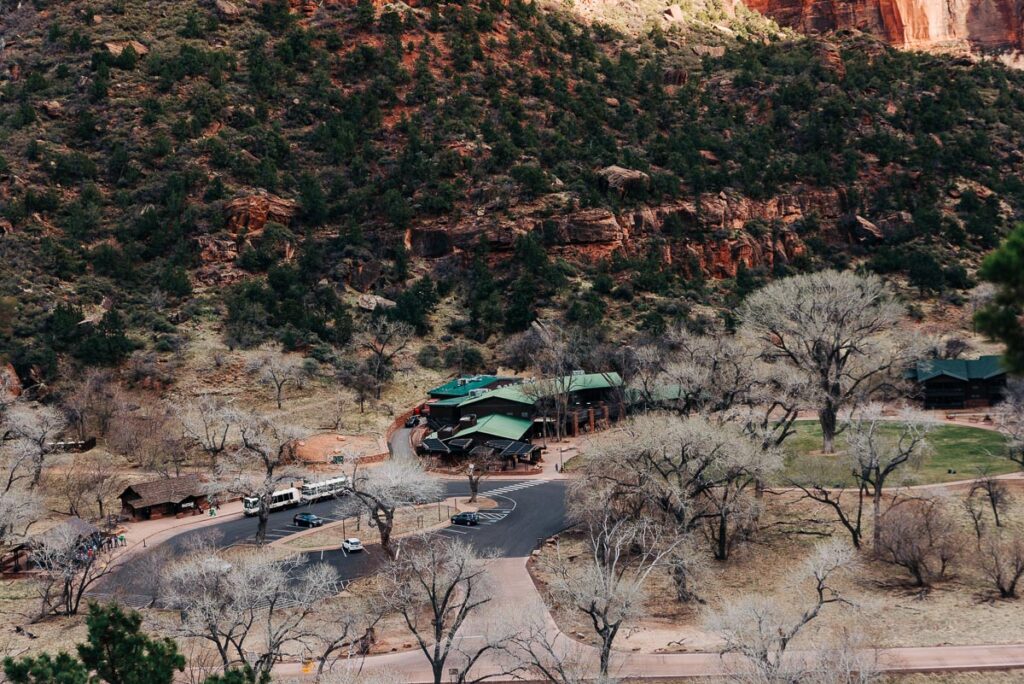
(515, 487)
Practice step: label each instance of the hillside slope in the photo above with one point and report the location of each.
(260, 164)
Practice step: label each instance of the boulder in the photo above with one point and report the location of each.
(53, 109)
(673, 14)
(248, 215)
(118, 46)
(10, 384)
(864, 231)
(227, 10)
(371, 302)
(622, 180)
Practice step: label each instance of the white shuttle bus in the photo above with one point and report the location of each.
(279, 500)
(325, 489)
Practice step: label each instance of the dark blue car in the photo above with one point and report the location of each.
(307, 520)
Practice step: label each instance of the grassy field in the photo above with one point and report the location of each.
(962, 449)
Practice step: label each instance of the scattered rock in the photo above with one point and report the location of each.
(708, 50)
(10, 384)
(53, 109)
(118, 46)
(370, 302)
(673, 14)
(864, 231)
(227, 10)
(622, 180)
(611, 102)
(708, 156)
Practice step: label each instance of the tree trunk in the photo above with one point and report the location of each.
(876, 516)
(827, 420)
(384, 527)
(261, 528)
(474, 488)
(995, 510)
(722, 549)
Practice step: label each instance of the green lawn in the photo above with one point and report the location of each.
(961, 448)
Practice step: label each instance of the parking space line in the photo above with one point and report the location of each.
(448, 529)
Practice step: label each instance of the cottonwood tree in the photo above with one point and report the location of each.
(276, 371)
(877, 451)
(208, 421)
(694, 472)
(1010, 420)
(921, 537)
(837, 330)
(383, 340)
(547, 653)
(19, 508)
(262, 463)
(608, 583)
(437, 588)
(992, 490)
(761, 629)
(86, 486)
(67, 569)
(93, 404)
(1001, 560)
(251, 607)
(147, 433)
(36, 427)
(343, 629)
(382, 490)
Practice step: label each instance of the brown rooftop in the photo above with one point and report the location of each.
(166, 490)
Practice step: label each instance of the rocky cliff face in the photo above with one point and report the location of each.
(720, 233)
(981, 25)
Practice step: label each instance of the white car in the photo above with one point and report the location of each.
(351, 545)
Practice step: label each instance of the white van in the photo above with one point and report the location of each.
(279, 500)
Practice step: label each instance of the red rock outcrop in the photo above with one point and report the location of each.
(247, 216)
(720, 233)
(986, 25)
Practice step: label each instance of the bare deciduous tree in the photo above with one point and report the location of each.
(261, 464)
(696, 472)
(250, 606)
(68, 568)
(36, 427)
(437, 588)
(921, 537)
(382, 490)
(836, 329)
(93, 404)
(208, 421)
(877, 451)
(546, 653)
(993, 490)
(19, 508)
(87, 486)
(383, 340)
(1001, 560)
(762, 629)
(275, 371)
(608, 585)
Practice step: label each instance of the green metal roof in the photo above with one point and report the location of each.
(981, 368)
(461, 387)
(572, 383)
(504, 427)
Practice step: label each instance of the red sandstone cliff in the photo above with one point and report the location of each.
(986, 25)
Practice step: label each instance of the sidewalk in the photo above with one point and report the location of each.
(147, 533)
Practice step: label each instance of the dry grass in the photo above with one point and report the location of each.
(961, 610)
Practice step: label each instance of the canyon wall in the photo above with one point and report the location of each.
(979, 25)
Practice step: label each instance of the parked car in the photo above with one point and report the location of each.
(307, 520)
(468, 519)
(352, 545)
(413, 421)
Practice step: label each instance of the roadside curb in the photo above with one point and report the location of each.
(452, 501)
